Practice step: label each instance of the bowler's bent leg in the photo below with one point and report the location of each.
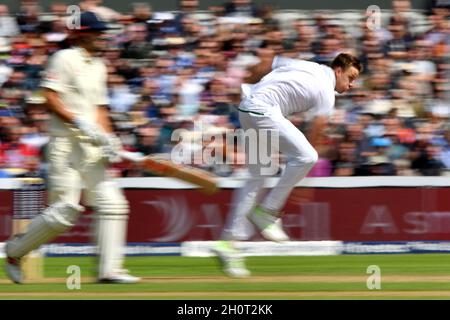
(300, 159)
(244, 199)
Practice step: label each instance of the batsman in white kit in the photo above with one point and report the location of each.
(287, 86)
(82, 145)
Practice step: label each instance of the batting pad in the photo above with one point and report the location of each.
(43, 228)
(111, 244)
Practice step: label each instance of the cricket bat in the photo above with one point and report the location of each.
(167, 168)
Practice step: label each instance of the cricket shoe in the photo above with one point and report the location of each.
(268, 224)
(13, 270)
(121, 277)
(231, 260)
(12, 267)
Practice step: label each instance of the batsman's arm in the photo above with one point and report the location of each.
(113, 145)
(55, 105)
(55, 80)
(102, 101)
(58, 78)
(103, 118)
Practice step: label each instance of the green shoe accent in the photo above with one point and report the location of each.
(268, 224)
(259, 211)
(224, 245)
(237, 263)
(263, 212)
(266, 217)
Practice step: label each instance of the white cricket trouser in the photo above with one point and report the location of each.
(300, 158)
(74, 168)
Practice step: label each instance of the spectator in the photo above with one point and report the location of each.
(364, 149)
(241, 8)
(104, 13)
(8, 23)
(444, 154)
(398, 46)
(137, 45)
(189, 90)
(423, 69)
(379, 163)
(121, 99)
(434, 6)
(142, 12)
(427, 163)
(185, 8)
(5, 69)
(380, 166)
(401, 10)
(167, 69)
(439, 107)
(403, 167)
(28, 16)
(166, 78)
(14, 154)
(345, 158)
(148, 139)
(439, 30)
(58, 9)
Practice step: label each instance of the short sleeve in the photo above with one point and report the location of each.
(57, 74)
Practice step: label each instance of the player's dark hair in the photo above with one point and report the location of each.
(345, 60)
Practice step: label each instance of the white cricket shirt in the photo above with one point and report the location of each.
(294, 86)
(80, 81)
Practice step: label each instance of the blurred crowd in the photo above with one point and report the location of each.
(172, 70)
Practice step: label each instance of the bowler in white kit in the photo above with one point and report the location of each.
(285, 86)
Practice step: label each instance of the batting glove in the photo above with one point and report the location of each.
(112, 149)
(92, 131)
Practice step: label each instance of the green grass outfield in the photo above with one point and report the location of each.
(420, 276)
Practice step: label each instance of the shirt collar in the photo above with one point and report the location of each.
(88, 58)
(330, 73)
